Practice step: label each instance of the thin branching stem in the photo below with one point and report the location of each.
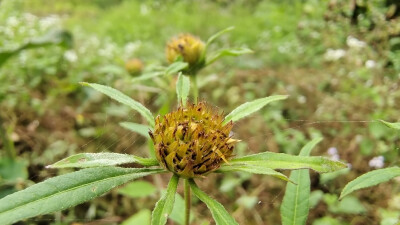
(187, 201)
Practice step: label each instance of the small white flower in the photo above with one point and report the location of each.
(353, 42)
(70, 56)
(370, 64)
(377, 162)
(334, 54)
(332, 151)
(12, 21)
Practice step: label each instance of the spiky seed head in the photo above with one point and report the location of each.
(134, 66)
(189, 47)
(192, 142)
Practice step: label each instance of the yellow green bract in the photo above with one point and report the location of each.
(192, 142)
(188, 46)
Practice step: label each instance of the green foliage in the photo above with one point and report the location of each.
(55, 37)
(255, 169)
(120, 97)
(283, 161)
(84, 160)
(220, 215)
(70, 190)
(370, 179)
(251, 107)
(165, 205)
(137, 128)
(295, 203)
(138, 189)
(182, 88)
(142, 217)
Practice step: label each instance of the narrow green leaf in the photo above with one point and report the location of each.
(284, 161)
(122, 98)
(391, 125)
(370, 179)
(227, 52)
(147, 76)
(176, 67)
(251, 107)
(165, 205)
(295, 204)
(182, 88)
(251, 168)
(220, 215)
(217, 35)
(137, 128)
(84, 160)
(65, 191)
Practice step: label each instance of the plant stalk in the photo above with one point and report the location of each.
(8, 144)
(187, 201)
(195, 89)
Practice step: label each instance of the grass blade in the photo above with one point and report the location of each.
(165, 205)
(284, 161)
(70, 189)
(220, 215)
(122, 98)
(370, 179)
(295, 204)
(182, 88)
(85, 160)
(251, 107)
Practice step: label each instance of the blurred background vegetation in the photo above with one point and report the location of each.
(339, 61)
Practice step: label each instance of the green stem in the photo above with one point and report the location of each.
(187, 201)
(7, 143)
(195, 89)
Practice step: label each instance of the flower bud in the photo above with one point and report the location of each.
(192, 142)
(189, 47)
(134, 66)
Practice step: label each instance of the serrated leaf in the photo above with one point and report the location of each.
(137, 128)
(251, 107)
(391, 125)
(217, 35)
(370, 179)
(284, 161)
(65, 191)
(138, 189)
(54, 37)
(251, 168)
(85, 160)
(165, 205)
(227, 52)
(147, 76)
(220, 215)
(182, 88)
(295, 204)
(124, 99)
(176, 67)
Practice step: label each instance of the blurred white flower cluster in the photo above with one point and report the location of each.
(377, 162)
(333, 154)
(334, 54)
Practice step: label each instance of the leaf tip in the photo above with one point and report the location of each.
(84, 83)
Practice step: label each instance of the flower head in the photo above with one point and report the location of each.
(189, 47)
(192, 141)
(134, 66)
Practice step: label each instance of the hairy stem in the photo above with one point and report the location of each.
(187, 201)
(195, 89)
